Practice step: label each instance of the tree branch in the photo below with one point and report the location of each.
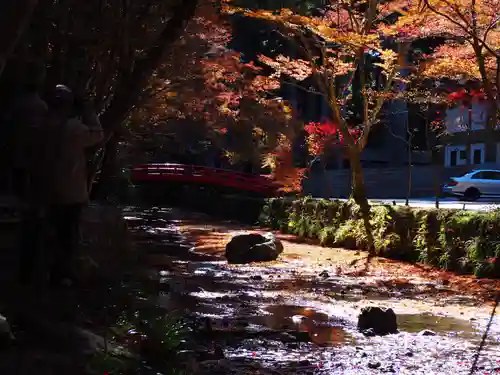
(464, 28)
(130, 86)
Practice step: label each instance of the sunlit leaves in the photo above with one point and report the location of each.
(283, 65)
(285, 173)
(472, 28)
(324, 134)
(206, 95)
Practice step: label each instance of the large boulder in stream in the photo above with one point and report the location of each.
(253, 247)
(377, 321)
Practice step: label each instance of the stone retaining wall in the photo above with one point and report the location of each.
(381, 182)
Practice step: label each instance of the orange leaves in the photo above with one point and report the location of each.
(284, 173)
(282, 65)
(458, 61)
(206, 97)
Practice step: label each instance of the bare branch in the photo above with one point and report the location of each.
(293, 84)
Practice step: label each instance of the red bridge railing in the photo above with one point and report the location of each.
(193, 174)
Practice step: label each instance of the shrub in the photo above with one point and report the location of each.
(462, 241)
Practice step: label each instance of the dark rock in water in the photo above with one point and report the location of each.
(373, 365)
(253, 247)
(300, 336)
(324, 274)
(427, 332)
(377, 320)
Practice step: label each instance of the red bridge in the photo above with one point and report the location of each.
(206, 176)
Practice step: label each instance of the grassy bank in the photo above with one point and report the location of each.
(461, 241)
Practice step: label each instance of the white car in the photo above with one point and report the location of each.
(474, 185)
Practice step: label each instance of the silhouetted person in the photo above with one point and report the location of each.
(70, 183)
(26, 115)
(64, 170)
(25, 122)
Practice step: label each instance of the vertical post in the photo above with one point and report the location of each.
(437, 182)
(469, 130)
(408, 195)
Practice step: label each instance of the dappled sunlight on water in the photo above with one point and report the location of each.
(296, 316)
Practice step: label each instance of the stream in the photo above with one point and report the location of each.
(294, 316)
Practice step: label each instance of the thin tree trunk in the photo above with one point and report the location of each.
(468, 159)
(437, 184)
(359, 196)
(14, 18)
(491, 97)
(107, 162)
(408, 194)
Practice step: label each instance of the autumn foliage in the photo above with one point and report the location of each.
(288, 176)
(206, 85)
(471, 51)
(325, 133)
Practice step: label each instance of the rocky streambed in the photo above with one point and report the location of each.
(298, 315)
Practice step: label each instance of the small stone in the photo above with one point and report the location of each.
(427, 332)
(324, 274)
(409, 354)
(373, 365)
(256, 277)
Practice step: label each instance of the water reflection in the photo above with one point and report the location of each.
(246, 304)
(321, 330)
(436, 323)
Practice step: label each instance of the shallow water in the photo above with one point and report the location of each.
(284, 318)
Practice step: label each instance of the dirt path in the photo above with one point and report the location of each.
(292, 317)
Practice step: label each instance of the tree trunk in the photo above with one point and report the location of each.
(14, 17)
(491, 98)
(437, 184)
(359, 195)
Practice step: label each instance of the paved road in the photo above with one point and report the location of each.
(452, 203)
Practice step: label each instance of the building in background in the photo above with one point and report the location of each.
(467, 141)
